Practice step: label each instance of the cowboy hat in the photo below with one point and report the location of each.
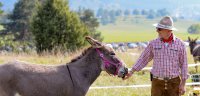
(166, 23)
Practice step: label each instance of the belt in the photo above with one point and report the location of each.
(164, 78)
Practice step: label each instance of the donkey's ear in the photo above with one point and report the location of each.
(196, 39)
(93, 42)
(189, 39)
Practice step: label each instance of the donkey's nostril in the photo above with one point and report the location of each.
(126, 70)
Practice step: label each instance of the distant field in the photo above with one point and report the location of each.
(104, 79)
(134, 29)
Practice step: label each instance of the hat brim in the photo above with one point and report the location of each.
(157, 26)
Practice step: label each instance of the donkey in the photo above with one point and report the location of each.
(194, 50)
(71, 79)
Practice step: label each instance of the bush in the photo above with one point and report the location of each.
(56, 28)
(194, 29)
(7, 44)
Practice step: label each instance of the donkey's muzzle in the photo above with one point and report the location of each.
(122, 72)
(125, 72)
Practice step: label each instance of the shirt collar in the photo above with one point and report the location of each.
(174, 38)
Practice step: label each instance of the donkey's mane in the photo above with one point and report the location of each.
(80, 56)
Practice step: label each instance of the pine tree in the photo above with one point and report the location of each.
(88, 18)
(1, 11)
(20, 20)
(56, 27)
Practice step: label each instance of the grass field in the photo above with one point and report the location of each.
(134, 29)
(104, 79)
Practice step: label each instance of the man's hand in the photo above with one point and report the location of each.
(182, 88)
(130, 73)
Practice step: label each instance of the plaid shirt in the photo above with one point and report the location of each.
(169, 59)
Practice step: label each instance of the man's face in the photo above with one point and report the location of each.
(163, 33)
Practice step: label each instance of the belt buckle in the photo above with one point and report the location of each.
(166, 78)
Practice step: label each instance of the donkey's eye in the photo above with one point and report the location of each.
(112, 53)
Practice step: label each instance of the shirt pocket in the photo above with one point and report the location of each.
(157, 51)
(173, 53)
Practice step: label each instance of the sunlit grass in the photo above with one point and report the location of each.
(120, 92)
(104, 79)
(139, 29)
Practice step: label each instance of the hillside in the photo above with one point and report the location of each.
(134, 29)
(176, 7)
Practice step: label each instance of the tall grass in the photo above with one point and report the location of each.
(104, 79)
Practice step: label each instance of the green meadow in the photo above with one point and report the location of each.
(138, 29)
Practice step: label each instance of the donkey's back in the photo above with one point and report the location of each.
(196, 50)
(34, 80)
(196, 53)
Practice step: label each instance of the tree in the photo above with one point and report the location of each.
(56, 27)
(162, 12)
(100, 12)
(118, 12)
(175, 19)
(151, 15)
(19, 19)
(88, 18)
(127, 12)
(1, 11)
(105, 18)
(194, 29)
(144, 12)
(136, 12)
(112, 16)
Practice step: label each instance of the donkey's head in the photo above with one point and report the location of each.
(110, 63)
(192, 43)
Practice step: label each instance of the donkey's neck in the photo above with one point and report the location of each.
(192, 48)
(86, 69)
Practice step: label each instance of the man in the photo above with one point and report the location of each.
(170, 69)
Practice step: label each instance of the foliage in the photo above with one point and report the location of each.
(162, 12)
(7, 44)
(194, 29)
(175, 19)
(151, 15)
(136, 12)
(118, 12)
(20, 20)
(144, 12)
(88, 18)
(56, 28)
(127, 12)
(107, 16)
(1, 11)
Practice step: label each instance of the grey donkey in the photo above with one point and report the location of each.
(71, 79)
(194, 50)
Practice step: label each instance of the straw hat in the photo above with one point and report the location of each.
(166, 23)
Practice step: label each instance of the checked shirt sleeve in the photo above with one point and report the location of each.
(145, 57)
(183, 63)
